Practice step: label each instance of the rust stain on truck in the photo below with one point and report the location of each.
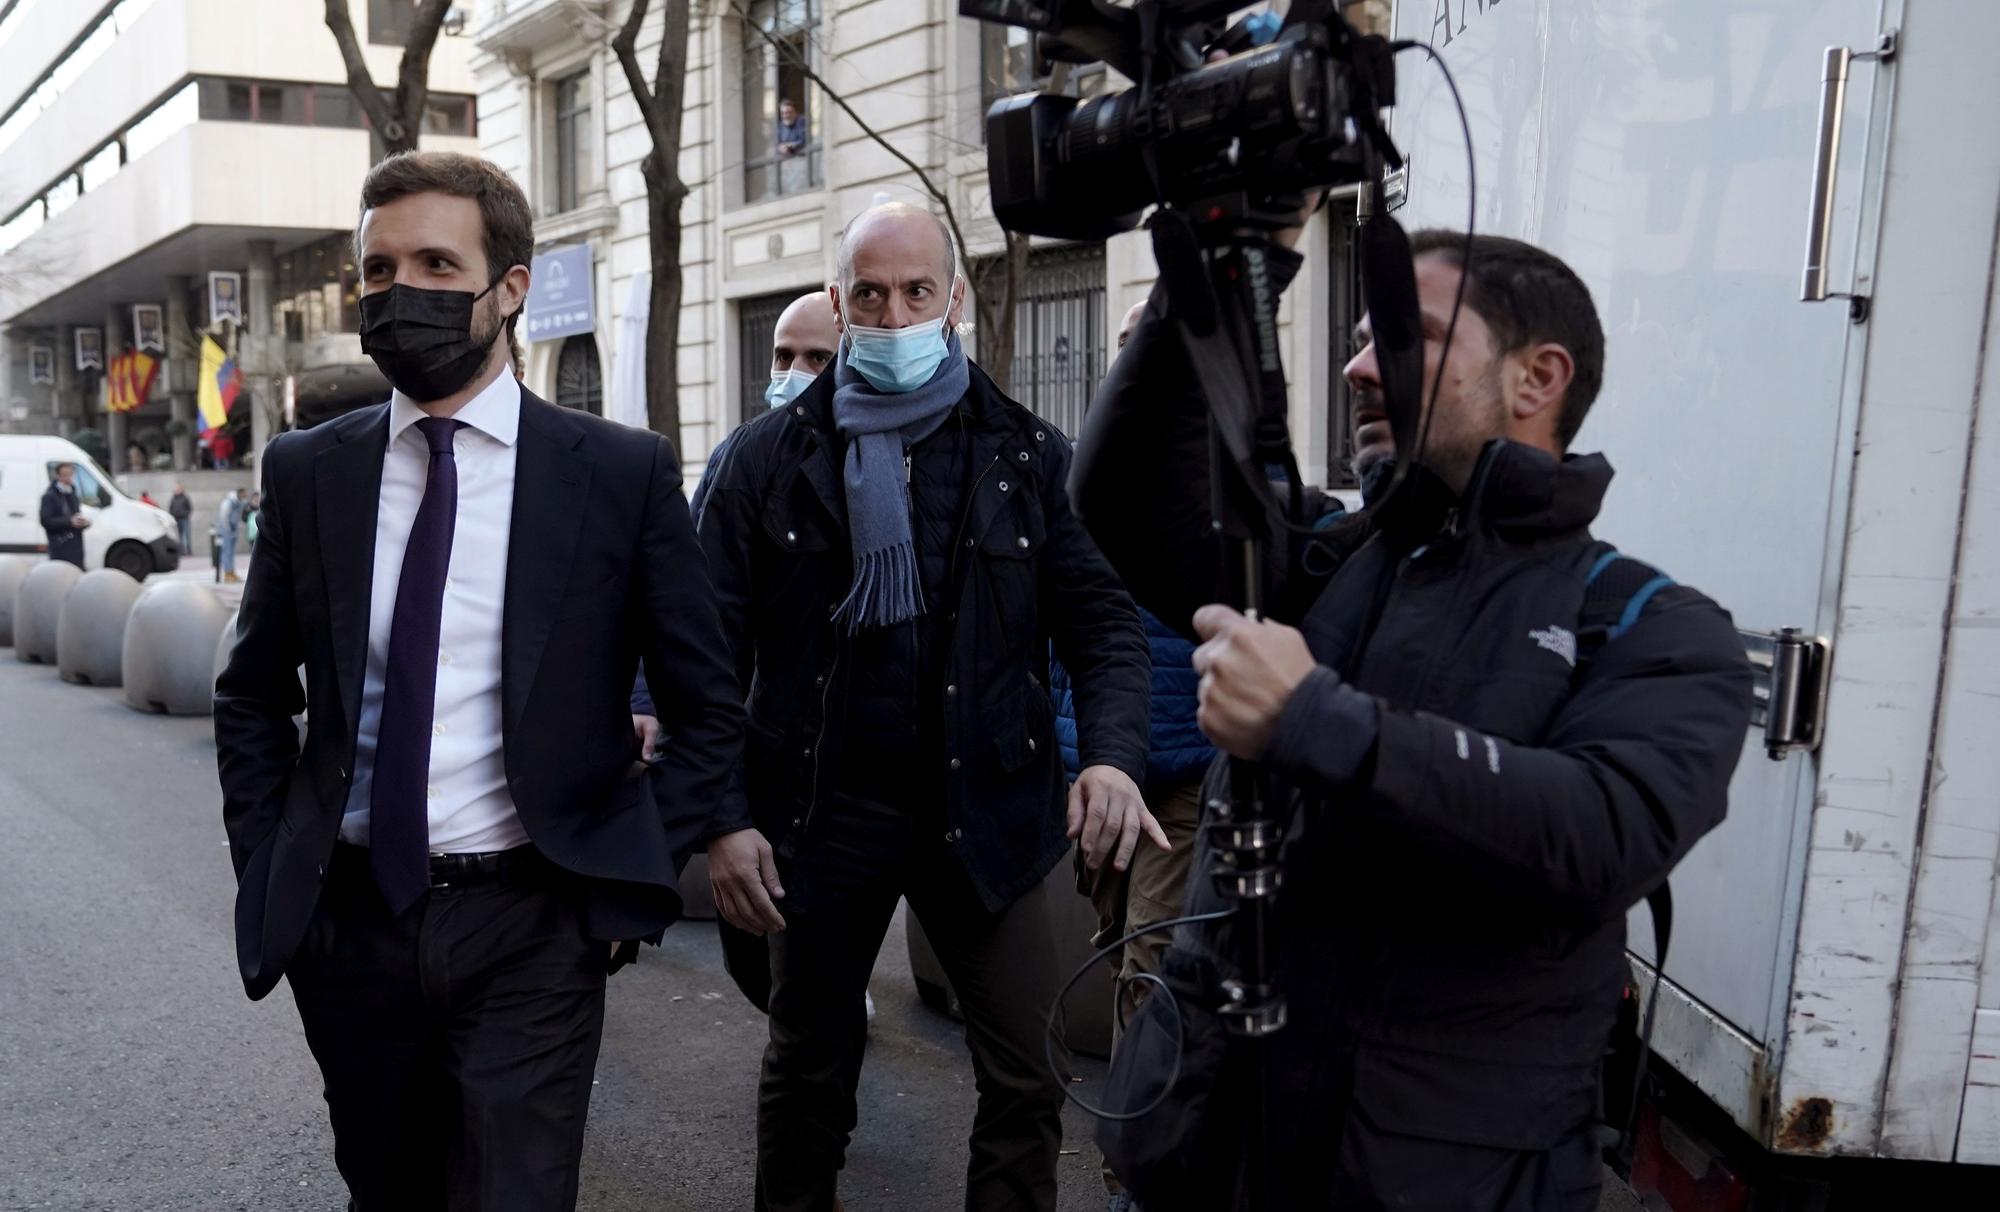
(1806, 1126)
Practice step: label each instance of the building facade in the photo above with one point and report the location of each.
(776, 166)
(169, 165)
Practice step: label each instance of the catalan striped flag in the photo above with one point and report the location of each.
(129, 380)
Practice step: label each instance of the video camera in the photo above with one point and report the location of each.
(1267, 123)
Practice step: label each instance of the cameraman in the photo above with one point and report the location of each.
(1483, 791)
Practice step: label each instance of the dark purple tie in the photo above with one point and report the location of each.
(399, 831)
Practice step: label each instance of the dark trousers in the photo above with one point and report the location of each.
(457, 1041)
(862, 857)
(67, 546)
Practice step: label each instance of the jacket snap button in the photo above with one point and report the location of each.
(954, 763)
(968, 542)
(1003, 486)
(806, 752)
(795, 822)
(1024, 454)
(791, 536)
(820, 680)
(951, 691)
(1031, 745)
(1039, 435)
(1021, 542)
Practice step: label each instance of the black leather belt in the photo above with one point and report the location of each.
(463, 870)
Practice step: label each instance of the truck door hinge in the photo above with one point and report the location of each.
(1790, 694)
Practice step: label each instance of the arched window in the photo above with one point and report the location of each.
(579, 382)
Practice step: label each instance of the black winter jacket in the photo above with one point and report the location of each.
(1019, 573)
(1451, 934)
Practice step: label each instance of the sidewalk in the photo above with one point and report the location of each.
(197, 568)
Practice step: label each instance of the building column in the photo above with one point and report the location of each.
(70, 410)
(116, 429)
(183, 363)
(261, 363)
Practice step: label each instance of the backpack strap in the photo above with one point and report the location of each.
(1616, 592)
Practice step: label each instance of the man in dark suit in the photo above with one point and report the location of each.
(63, 519)
(469, 576)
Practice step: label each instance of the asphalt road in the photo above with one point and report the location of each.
(137, 1076)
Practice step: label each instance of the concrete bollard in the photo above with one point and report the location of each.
(13, 570)
(223, 643)
(38, 610)
(170, 643)
(90, 638)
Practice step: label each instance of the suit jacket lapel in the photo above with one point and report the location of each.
(347, 485)
(551, 485)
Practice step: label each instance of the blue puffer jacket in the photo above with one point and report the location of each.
(1177, 747)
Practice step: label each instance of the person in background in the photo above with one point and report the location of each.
(229, 528)
(893, 554)
(1149, 891)
(793, 133)
(802, 345)
(182, 511)
(249, 523)
(63, 519)
(146, 498)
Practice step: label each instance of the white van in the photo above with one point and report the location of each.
(125, 534)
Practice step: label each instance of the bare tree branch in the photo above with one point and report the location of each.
(661, 102)
(398, 123)
(359, 82)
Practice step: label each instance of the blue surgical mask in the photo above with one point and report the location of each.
(786, 387)
(896, 360)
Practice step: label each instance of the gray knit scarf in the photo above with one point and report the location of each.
(879, 427)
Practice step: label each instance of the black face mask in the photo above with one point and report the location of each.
(422, 340)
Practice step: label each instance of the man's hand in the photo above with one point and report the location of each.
(1249, 670)
(1107, 813)
(743, 874)
(647, 729)
(79, 521)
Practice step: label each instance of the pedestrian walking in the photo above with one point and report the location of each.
(229, 528)
(63, 519)
(182, 511)
(893, 554)
(461, 853)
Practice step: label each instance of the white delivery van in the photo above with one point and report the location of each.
(1825, 462)
(124, 533)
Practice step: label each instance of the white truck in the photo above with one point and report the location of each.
(135, 538)
(1786, 211)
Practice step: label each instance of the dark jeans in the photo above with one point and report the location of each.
(457, 1041)
(862, 857)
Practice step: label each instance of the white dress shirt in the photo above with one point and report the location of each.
(470, 808)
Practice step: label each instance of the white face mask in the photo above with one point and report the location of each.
(786, 387)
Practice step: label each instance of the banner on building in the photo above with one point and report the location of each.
(42, 364)
(129, 381)
(225, 297)
(559, 297)
(218, 386)
(90, 349)
(149, 328)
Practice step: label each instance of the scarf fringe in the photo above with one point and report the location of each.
(885, 589)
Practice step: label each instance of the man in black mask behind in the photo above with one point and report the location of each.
(469, 576)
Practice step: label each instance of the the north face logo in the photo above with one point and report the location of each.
(1558, 641)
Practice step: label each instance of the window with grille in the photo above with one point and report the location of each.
(1060, 334)
(757, 329)
(579, 378)
(573, 135)
(781, 130)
